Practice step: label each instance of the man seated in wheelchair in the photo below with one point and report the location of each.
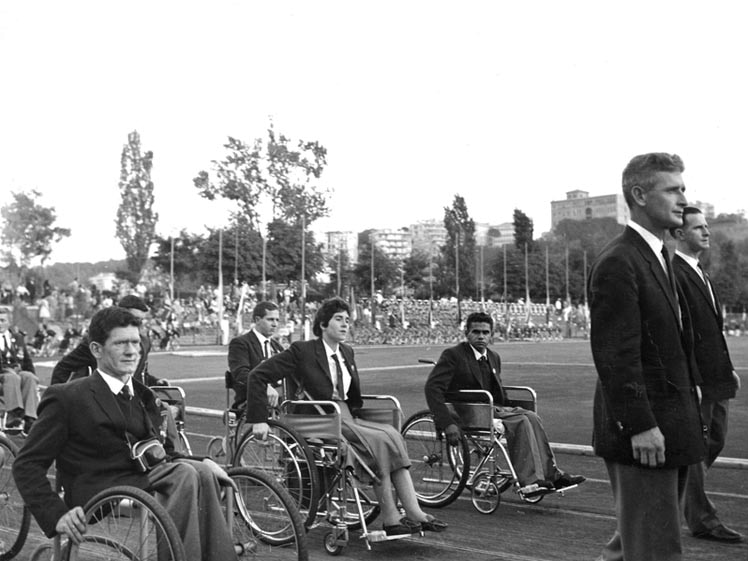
(248, 350)
(96, 429)
(471, 365)
(325, 369)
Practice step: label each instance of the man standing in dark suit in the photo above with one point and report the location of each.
(89, 426)
(720, 382)
(647, 424)
(248, 350)
(473, 366)
(81, 362)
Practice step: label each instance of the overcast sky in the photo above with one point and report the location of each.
(510, 104)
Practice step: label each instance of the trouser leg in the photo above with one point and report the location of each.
(528, 445)
(29, 393)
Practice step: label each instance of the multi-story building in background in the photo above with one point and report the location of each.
(396, 244)
(334, 242)
(500, 234)
(578, 205)
(428, 234)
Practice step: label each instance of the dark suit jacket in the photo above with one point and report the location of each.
(80, 426)
(457, 370)
(17, 356)
(80, 362)
(646, 373)
(304, 366)
(710, 347)
(245, 352)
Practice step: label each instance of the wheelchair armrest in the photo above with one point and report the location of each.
(476, 414)
(383, 409)
(521, 396)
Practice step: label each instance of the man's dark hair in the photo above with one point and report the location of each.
(328, 309)
(262, 308)
(478, 317)
(133, 302)
(641, 169)
(107, 319)
(686, 211)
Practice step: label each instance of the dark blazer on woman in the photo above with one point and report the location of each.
(642, 348)
(710, 348)
(81, 427)
(303, 364)
(457, 370)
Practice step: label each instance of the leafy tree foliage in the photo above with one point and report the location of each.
(523, 230)
(728, 273)
(385, 270)
(458, 223)
(28, 231)
(273, 171)
(136, 219)
(284, 250)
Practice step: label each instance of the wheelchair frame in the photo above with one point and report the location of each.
(15, 518)
(176, 399)
(447, 470)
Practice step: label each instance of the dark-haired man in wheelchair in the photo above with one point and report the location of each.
(473, 366)
(93, 427)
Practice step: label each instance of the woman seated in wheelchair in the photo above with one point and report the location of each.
(325, 369)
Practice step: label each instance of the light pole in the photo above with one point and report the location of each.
(303, 276)
(171, 271)
(457, 272)
(264, 272)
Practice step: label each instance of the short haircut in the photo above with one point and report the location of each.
(478, 317)
(107, 319)
(262, 308)
(133, 302)
(641, 169)
(328, 309)
(686, 212)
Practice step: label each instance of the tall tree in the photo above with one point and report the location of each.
(523, 230)
(385, 270)
(136, 219)
(460, 227)
(273, 171)
(28, 231)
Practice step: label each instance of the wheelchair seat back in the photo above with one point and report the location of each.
(313, 419)
(175, 398)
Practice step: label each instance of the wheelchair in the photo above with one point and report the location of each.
(479, 462)
(316, 465)
(15, 518)
(175, 398)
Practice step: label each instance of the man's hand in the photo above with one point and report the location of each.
(737, 378)
(453, 434)
(223, 478)
(72, 524)
(649, 447)
(260, 430)
(272, 396)
(162, 382)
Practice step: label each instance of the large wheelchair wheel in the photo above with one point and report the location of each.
(287, 458)
(126, 523)
(15, 518)
(439, 471)
(266, 521)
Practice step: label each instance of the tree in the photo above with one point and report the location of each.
(727, 281)
(460, 226)
(385, 271)
(284, 253)
(523, 230)
(29, 231)
(272, 171)
(136, 220)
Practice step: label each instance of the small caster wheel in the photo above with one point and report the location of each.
(331, 544)
(485, 494)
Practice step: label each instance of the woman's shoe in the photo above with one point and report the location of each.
(433, 524)
(405, 527)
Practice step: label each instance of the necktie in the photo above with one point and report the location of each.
(340, 389)
(485, 370)
(125, 392)
(669, 268)
(708, 284)
(267, 348)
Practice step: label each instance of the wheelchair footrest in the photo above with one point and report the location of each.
(381, 536)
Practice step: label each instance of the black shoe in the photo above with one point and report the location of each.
(720, 533)
(27, 422)
(16, 423)
(405, 527)
(433, 524)
(567, 480)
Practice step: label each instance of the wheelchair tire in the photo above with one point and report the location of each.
(332, 547)
(439, 471)
(266, 521)
(114, 533)
(15, 517)
(287, 458)
(215, 450)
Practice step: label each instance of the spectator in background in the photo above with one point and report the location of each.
(19, 381)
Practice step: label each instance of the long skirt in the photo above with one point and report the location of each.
(379, 445)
